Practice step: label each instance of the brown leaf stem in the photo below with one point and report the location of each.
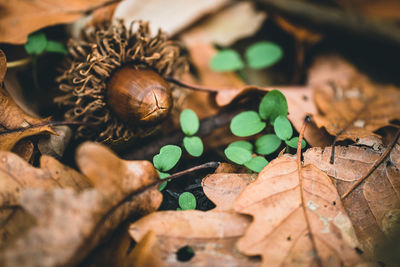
(301, 186)
(374, 166)
(204, 88)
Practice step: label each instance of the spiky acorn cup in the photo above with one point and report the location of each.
(114, 83)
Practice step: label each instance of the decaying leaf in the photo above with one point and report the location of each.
(155, 12)
(20, 18)
(351, 105)
(211, 235)
(3, 66)
(223, 188)
(70, 224)
(17, 175)
(374, 206)
(13, 117)
(224, 27)
(281, 232)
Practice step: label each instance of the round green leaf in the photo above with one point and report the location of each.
(187, 201)
(56, 47)
(243, 144)
(238, 155)
(36, 44)
(246, 124)
(226, 60)
(293, 142)
(162, 175)
(193, 145)
(283, 128)
(189, 122)
(267, 144)
(168, 157)
(263, 54)
(272, 105)
(256, 164)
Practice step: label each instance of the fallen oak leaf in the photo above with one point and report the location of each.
(211, 235)
(94, 212)
(374, 206)
(351, 106)
(16, 175)
(281, 232)
(223, 188)
(21, 18)
(3, 66)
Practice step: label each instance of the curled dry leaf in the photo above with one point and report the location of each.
(20, 18)
(89, 215)
(374, 206)
(351, 106)
(13, 117)
(287, 229)
(211, 235)
(223, 188)
(17, 175)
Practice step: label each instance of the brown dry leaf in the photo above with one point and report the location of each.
(224, 28)
(172, 16)
(12, 118)
(89, 216)
(211, 235)
(374, 206)
(223, 188)
(383, 9)
(280, 231)
(20, 18)
(17, 175)
(3, 66)
(351, 106)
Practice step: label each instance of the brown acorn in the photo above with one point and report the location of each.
(115, 82)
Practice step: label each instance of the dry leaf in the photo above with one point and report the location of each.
(12, 118)
(89, 216)
(24, 149)
(383, 9)
(224, 28)
(300, 33)
(54, 145)
(3, 66)
(374, 206)
(211, 235)
(172, 16)
(351, 106)
(20, 18)
(223, 188)
(280, 231)
(17, 175)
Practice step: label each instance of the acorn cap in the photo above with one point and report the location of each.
(112, 56)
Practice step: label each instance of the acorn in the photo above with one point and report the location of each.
(114, 81)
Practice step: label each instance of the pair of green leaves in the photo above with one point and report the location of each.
(38, 43)
(273, 108)
(258, 56)
(190, 125)
(164, 161)
(241, 152)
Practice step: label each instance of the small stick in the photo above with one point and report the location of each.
(192, 86)
(18, 63)
(373, 168)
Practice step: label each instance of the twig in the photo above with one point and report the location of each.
(301, 186)
(373, 168)
(50, 123)
(18, 63)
